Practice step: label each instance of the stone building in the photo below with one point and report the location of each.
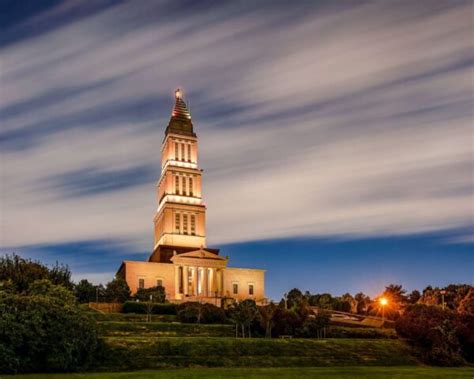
(181, 261)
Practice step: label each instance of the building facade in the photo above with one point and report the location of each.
(180, 260)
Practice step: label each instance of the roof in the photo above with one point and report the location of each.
(180, 121)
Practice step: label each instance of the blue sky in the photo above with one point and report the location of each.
(335, 138)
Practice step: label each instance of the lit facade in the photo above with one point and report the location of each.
(181, 261)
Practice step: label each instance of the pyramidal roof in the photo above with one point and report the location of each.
(180, 121)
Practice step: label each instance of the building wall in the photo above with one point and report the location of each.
(243, 277)
(150, 272)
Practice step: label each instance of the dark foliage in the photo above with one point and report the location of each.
(433, 332)
(44, 330)
(86, 292)
(157, 309)
(117, 291)
(17, 273)
(315, 327)
(194, 312)
(158, 294)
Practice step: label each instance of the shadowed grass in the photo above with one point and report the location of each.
(271, 373)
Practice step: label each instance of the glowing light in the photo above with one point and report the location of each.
(383, 301)
(178, 93)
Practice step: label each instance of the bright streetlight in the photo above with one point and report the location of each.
(383, 302)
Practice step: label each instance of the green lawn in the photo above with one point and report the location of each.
(134, 353)
(271, 373)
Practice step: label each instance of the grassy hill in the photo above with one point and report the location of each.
(132, 343)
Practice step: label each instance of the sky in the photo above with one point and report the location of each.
(336, 137)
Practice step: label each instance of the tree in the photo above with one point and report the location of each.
(17, 273)
(363, 302)
(315, 326)
(294, 298)
(242, 314)
(43, 329)
(117, 291)
(265, 317)
(85, 291)
(414, 297)
(433, 332)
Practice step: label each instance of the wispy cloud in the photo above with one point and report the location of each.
(313, 120)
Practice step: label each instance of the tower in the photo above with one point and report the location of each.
(179, 222)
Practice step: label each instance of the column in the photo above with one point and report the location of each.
(206, 282)
(176, 281)
(185, 279)
(195, 281)
(222, 282)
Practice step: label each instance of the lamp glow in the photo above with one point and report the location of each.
(178, 93)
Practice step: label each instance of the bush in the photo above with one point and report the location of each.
(194, 312)
(44, 330)
(158, 294)
(433, 332)
(142, 308)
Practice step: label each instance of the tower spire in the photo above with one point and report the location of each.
(180, 109)
(180, 121)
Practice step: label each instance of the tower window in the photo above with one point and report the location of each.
(250, 289)
(176, 150)
(141, 283)
(193, 225)
(189, 153)
(185, 224)
(184, 189)
(182, 152)
(235, 288)
(191, 192)
(177, 222)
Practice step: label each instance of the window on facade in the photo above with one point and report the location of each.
(189, 153)
(177, 222)
(159, 283)
(184, 189)
(250, 289)
(176, 150)
(176, 185)
(141, 283)
(235, 288)
(185, 224)
(193, 225)
(182, 152)
(191, 192)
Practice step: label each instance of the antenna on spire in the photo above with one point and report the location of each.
(178, 94)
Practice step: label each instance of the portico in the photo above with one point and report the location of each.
(199, 274)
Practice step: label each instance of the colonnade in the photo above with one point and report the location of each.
(199, 281)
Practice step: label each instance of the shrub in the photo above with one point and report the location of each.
(432, 331)
(157, 309)
(44, 330)
(194, 312)
(158, 294)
